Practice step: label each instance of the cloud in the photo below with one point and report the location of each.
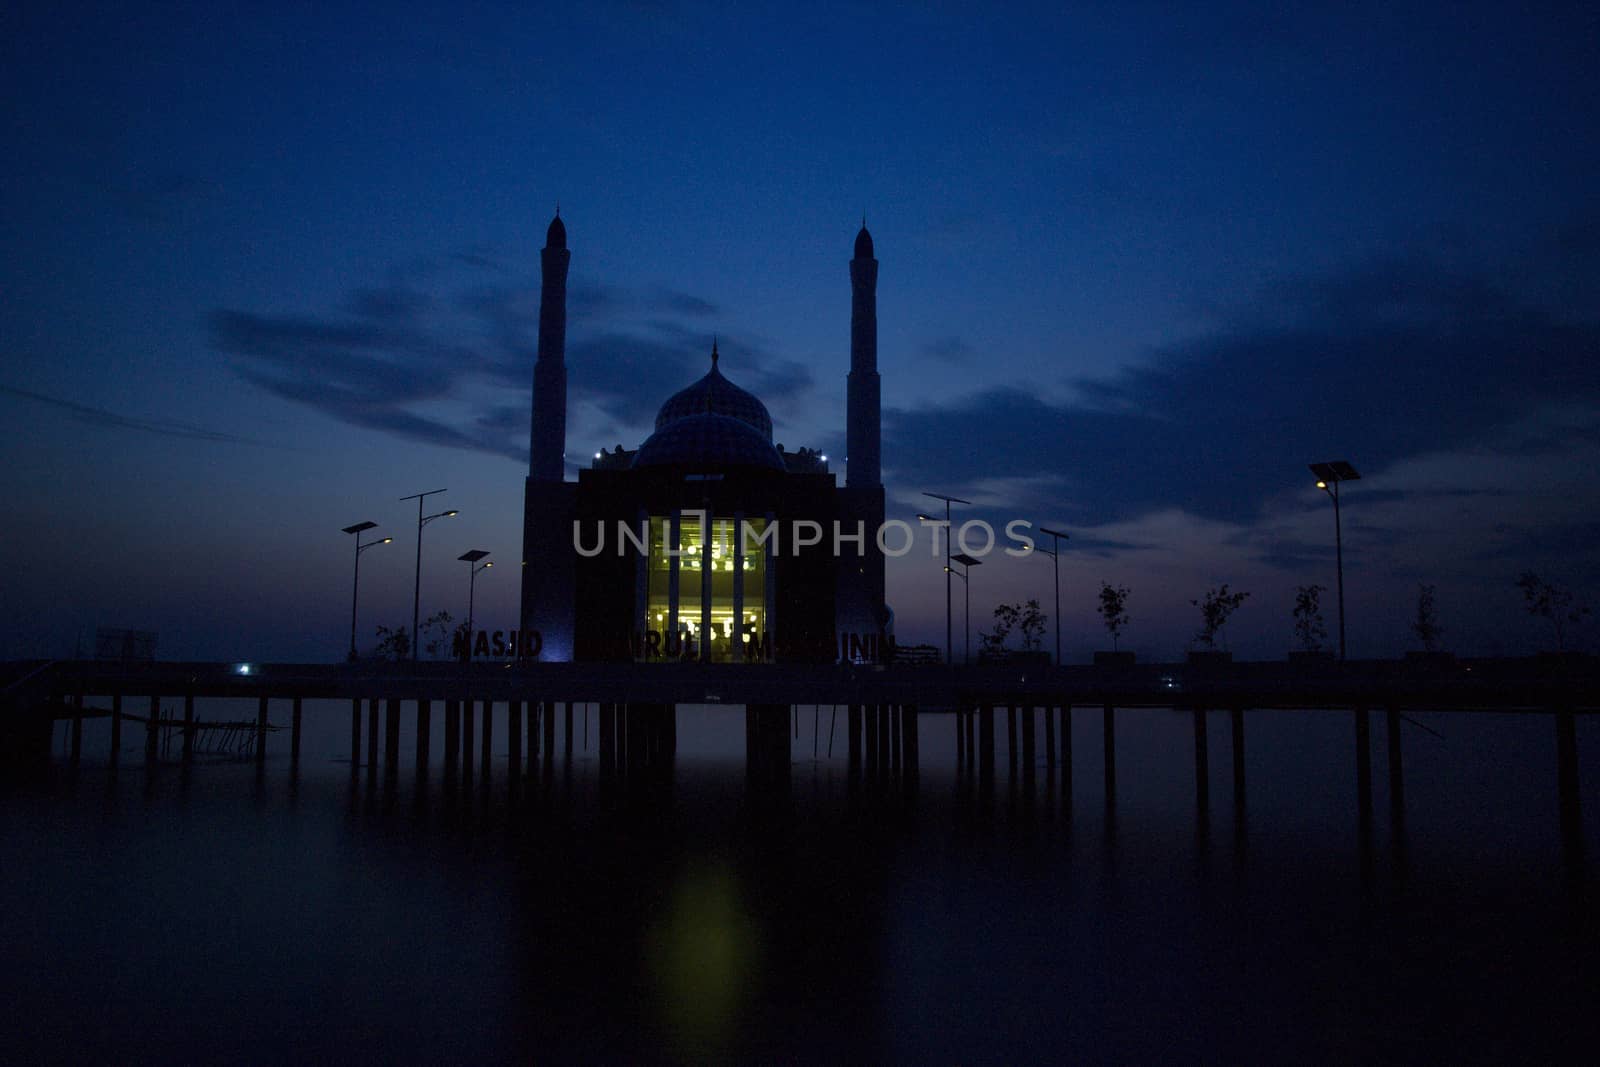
(112, 420)
(1388, 360)
(948, 349)
(454, 366)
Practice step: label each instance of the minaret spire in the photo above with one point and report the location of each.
(863, 391)
(547, 440)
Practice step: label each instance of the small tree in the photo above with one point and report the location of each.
(1547, 600)
(436, 631)
(393, 644)
(1215, 608)
(1309, 628)
(1027, 620)
(1114, 609)
(1426, 627)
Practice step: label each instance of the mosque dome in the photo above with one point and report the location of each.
(708, 440)
(715, 395)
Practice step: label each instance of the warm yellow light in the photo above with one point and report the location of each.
(488, 565)
(387, 540)
(1322, 485)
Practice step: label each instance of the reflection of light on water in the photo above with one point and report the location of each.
(702, 955)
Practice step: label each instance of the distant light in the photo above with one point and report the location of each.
(449, 513)
(1322, 485)
(489, 564)
(242, 668)
(386, 540)
(824, 459)
(597, 455)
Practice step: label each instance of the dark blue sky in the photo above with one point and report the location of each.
(266, 271)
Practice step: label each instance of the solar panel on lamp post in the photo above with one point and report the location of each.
(1329, 476)
(355, 586)
(965, 574)
(948, 500)
(471, 560)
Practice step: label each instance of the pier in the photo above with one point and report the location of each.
(883, 710)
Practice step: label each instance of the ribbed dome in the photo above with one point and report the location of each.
(715, 395)
(708, 440)
(863, 243)
(556, 235)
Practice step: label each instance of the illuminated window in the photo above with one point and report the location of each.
(737, 587)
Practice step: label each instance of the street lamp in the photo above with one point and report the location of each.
(948, 500)
(471, 560)
(358, 529)
(1329, 475)
(1055, 556)
(416, 591)
(965, 574)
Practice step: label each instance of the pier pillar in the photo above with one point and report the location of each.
(294, 727)
(566, 727)
(897, 725)
(372, 734)
(1066, 754)
(261, 729)
(1049, 737)
(852, 729)
(986, 747)
(1397, 777)
(1363, 765)
(549, 710)
(488, 739)
(972, 737)
(452, 737)
(391, 736)
(514, 738)
(1236, 721)
(869, 714)
(152, 728)
(607, 739)
(467, 749)
(116, 725)
(1567, 777)
(1011, 740)
(424, 736)
(1108, 729)
(77, 723)
(960, 717)
(1028, 741)
(910, 765)
(1202, 763)
(355, 733)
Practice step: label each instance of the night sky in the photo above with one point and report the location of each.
(266, 271)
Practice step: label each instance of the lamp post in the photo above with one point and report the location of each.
(1329, 475)
(1055, 558)
(948, 500)
(965, 574)
(416, 591)
(355, 587)
(471, 560)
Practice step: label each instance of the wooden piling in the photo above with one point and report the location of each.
(1049, 737)
(391, 736)
(261, 729)
(870, 717)
(1108, 729)
(355, 733)
(1236, 721)
(852, 729)
(116, 725)
(1363, 765)
(986, 747)
(1202, 763)
(152, 728)
(372, 733)
(1011, 739)
(77, 723)
(1397, 777)
(566, 727)
(488, 739)
(466, 741)
(452, 737)
(961, 740)
(514, 738)
(424, 736)
(911, 763)
(294, 727)
(1028, 741)
(1066, 754)
(549, 710)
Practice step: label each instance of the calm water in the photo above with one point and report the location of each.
(162, 914)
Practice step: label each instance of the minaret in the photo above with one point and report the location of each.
(862, 434)
(547, 443)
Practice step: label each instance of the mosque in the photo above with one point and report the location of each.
(707, 542)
